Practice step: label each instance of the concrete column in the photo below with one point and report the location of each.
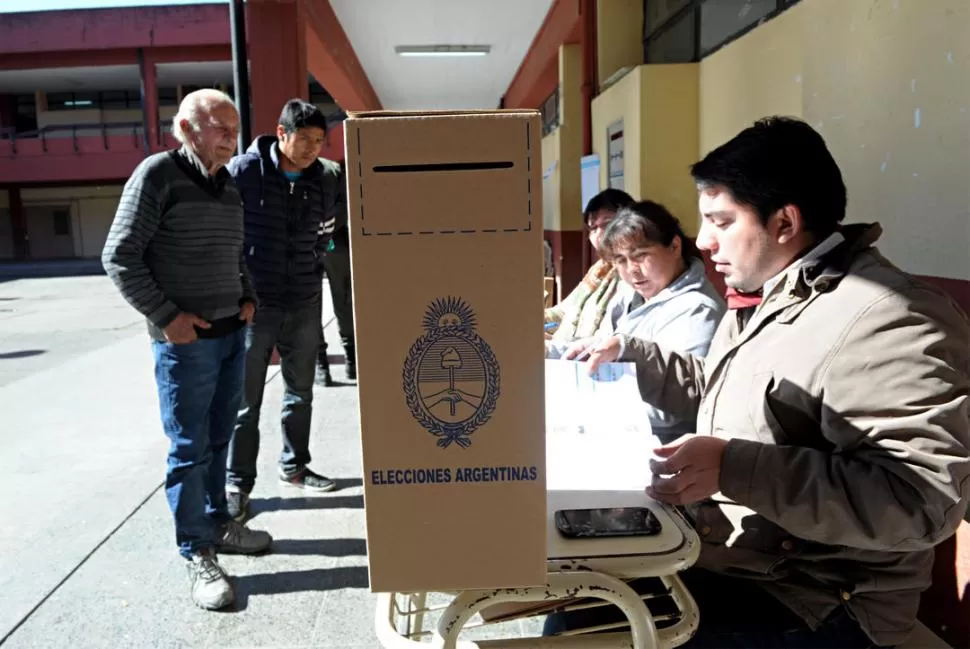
(149, 100)
(40, 99)
(277, 60)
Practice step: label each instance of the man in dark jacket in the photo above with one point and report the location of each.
(289, 201)
(337, 264)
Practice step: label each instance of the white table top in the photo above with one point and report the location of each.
(609, 469)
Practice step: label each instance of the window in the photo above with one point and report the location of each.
(62, 223)
(72, 100)
(168, 97)
(550, 113)
(681, 31)
(676, 42)
(26, 105)
(658, 12)
(115, 100)
(723, 20)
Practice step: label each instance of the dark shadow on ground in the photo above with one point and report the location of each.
(307, 502)
(321, 547)
(278, 583)
(23, 353)
(258, 506)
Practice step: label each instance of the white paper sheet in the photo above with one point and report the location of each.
(597, 432)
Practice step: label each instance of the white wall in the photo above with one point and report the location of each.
(92, 210)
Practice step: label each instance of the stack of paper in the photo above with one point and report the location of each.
(598, 435)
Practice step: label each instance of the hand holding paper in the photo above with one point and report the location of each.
(688, 470)
(603, 351)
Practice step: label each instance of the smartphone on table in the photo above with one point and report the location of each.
(607, 522)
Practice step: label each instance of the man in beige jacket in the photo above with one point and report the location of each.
(831, 452)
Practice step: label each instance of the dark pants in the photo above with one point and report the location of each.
(736, 614)
(199, 390)
(337, 266)
(295, 333)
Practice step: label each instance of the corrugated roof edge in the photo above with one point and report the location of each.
(378, 114)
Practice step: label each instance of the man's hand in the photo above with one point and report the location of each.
(603, 351)
(181, 330)
(689, 470)
(577, 348)
(247, 311)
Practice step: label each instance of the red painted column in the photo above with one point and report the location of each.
(18, 224)
(149, 99)
(277, 59)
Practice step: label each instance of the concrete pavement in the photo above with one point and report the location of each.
(87, 554)
(87, 550)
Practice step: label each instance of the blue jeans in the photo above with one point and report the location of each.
(199, 390)
(735, 613)
(295, 332)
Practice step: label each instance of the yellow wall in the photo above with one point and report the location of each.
(669, 138)
(563, 148)
(619, 36)
(659, 108)
(756, 75)
(885, 83)
(619, 101)
(570, 136)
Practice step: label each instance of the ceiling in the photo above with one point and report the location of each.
(375, 27)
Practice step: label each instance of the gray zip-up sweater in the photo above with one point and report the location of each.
(176, 243)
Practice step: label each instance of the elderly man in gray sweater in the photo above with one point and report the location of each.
(175, 251)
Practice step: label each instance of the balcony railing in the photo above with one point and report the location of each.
(74, 131)
(107, 132)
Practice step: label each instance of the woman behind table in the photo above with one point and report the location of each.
(665, 298)
(580, 314)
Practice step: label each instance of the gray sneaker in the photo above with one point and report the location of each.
(239, 539)
(211, 589)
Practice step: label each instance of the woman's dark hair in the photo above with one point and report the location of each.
(647, 222)
(610, 199)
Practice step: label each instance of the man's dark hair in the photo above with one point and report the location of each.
(299, 114)
(608, 199)
(776, 162)
(646, 222)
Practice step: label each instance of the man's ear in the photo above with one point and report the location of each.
(788, 223)
(280, 131)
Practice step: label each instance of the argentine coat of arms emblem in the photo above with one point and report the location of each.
(451, 376)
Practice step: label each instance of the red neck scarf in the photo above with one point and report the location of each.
(738, 300)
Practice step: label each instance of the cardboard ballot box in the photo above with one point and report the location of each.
(446, 249)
